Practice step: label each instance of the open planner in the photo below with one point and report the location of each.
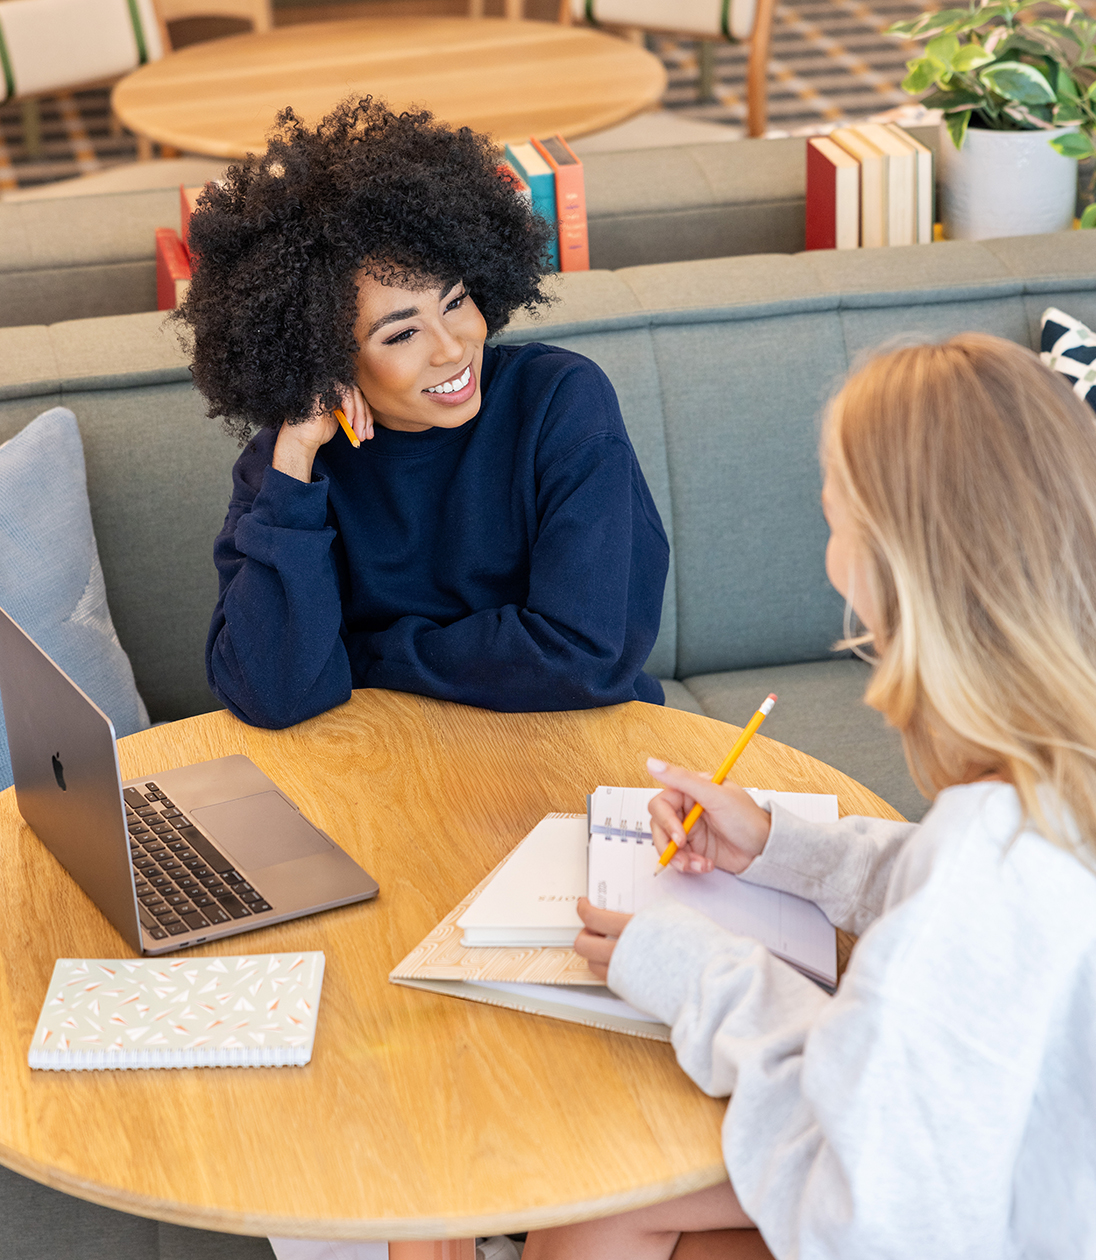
(508, 943)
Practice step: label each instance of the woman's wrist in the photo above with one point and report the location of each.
(292, 456)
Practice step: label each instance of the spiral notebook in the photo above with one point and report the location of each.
(508, 942)
(253, 1010)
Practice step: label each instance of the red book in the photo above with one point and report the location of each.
(833, 196)
(574, 241)
(172, 269)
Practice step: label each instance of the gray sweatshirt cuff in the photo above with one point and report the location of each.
(657, 961)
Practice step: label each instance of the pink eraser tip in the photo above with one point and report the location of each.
(771, 696)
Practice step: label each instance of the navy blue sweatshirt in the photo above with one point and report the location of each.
(516, 563)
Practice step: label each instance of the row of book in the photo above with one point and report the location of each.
(549, 174)
(869, 185)
(546, 172)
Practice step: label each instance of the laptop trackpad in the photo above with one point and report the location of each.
(261, 830)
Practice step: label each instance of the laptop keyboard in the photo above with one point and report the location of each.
(184, 883)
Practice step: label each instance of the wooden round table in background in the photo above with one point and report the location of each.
(420, 1116)
(511, 79)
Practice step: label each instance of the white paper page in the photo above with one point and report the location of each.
(585, 997)
(789, 926)
(610, 858)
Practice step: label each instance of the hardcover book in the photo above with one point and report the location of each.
(574, 242)
(899, 178)
(873, 192)
(833, 196)
(538, 175)
(172, 269)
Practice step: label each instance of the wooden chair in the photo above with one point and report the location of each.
(736, 21)
(53, 47)
(257, 12)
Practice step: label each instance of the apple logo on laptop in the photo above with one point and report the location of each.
(59, 771)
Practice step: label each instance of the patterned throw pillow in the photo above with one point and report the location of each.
(1070, 349)
(51, 582)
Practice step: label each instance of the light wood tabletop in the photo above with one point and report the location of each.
(511, 79)
(420, 1116)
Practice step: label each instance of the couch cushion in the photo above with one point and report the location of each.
(127, 177)
(43, 1224)
(72, 257)
(51, 581)
(159, 477)
(822, 713)
(1069, 347)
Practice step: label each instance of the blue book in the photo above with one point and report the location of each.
(542, 185)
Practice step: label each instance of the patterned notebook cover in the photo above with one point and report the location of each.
(258, 1010)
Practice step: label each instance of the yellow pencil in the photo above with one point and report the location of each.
(346, 427)
(740, 743)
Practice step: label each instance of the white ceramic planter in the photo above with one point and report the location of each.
(1005, 183)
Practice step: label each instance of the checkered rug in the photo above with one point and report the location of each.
(830, 62)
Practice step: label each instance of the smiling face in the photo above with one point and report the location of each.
(420, 354)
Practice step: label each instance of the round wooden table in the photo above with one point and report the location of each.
(420, 1116)
(511, 79)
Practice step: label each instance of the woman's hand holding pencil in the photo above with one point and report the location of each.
(699, 823)
(729, 834)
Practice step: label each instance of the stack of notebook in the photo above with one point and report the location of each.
(508, 943)
(869, 185)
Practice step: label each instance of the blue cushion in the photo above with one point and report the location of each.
(1070, 349)
(51, 581)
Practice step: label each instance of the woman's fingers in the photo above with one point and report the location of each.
(366, 415)
(731, 831)
(598, 939)
(357, 413)
(667, 810)
(697, 786)
(604, 922)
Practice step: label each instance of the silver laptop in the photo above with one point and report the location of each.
(172, 859)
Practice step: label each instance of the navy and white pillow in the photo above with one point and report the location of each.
(1070, 349)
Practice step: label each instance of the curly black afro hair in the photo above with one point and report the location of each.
(273, 301)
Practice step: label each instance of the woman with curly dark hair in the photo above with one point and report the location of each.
(492, 541)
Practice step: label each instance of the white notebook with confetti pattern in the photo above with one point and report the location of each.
(254, 1010)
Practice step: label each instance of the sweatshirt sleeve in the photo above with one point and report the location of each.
(597, 570)
(883, 1121)
(843, 867)
(274, 655)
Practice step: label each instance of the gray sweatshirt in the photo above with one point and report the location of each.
(943, 1102)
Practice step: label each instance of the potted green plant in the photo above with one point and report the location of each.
(1017, 88)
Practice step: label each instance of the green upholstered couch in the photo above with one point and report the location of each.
(722, 367)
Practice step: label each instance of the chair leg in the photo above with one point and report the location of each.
(757, 70)
(144, 149)
(449, 1249)
(705, 58)
(513, 8)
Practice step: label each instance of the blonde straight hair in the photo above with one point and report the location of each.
(969, 471)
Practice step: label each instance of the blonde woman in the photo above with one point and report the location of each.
(943, 1102)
